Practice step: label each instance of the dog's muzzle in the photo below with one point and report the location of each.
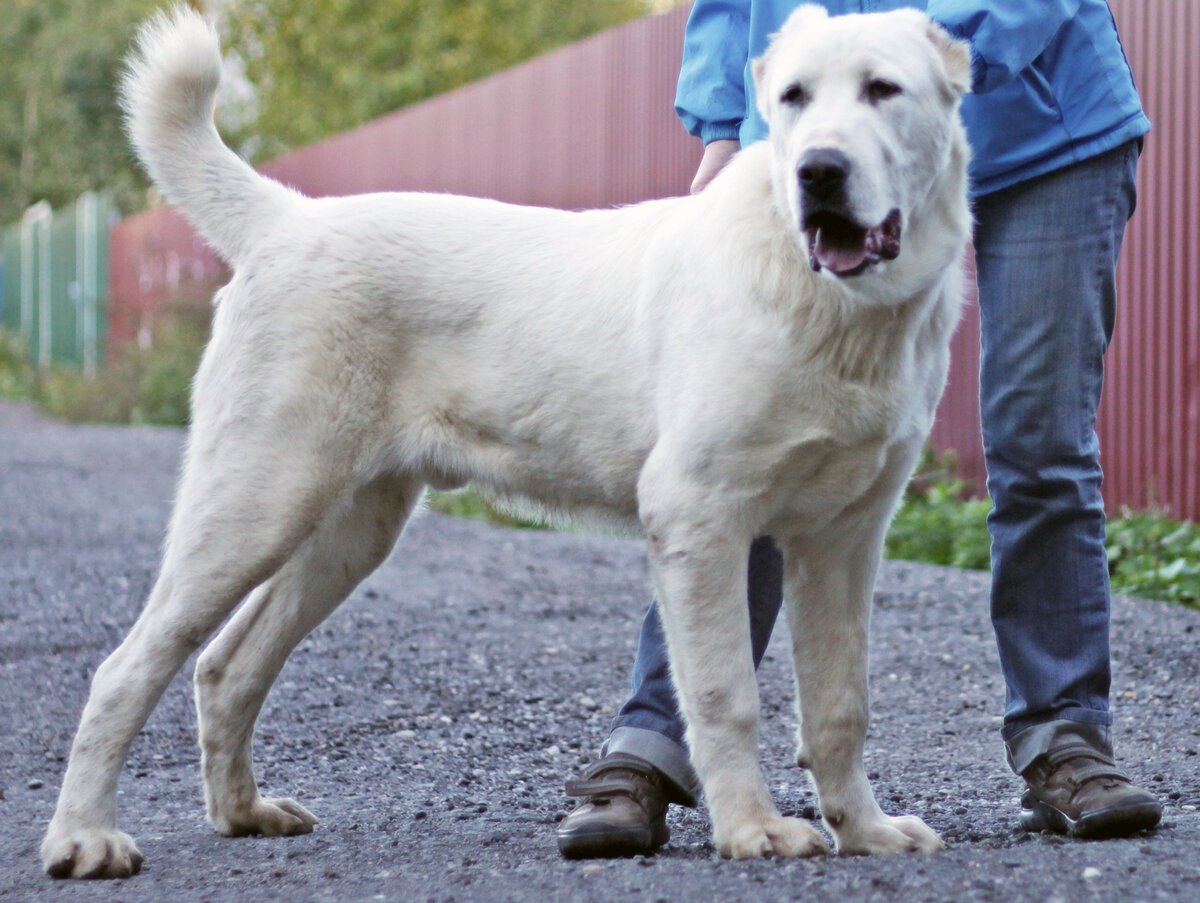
(837, 241)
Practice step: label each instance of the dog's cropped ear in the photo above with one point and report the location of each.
(956, 57)
(801, 16)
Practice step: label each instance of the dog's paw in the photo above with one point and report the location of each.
(267, 817)
(90, 853)
(892, 834)
(787, 838)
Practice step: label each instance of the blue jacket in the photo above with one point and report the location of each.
(1051, 85)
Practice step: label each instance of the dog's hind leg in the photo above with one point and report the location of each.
(828, 583)
(236, 671)
(238, 517)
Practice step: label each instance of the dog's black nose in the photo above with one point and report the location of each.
(823, 173)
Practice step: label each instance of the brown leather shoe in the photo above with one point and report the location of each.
(1079, 791)
(623, 810)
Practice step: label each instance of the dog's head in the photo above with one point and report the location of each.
(863, 119)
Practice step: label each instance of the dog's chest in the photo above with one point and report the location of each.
(820, 478)
(839, 443)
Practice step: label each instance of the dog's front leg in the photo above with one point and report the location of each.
(699, 573)
(828, 585)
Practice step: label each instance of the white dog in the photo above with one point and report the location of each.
(761, 358)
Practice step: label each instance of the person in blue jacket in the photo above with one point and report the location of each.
(1055, 126)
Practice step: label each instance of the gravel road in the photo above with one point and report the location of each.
(430, 723)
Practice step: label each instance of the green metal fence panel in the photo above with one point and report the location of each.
(59, 321)
(10, 301)
(96, 217)
(56, 279)
(33, 275)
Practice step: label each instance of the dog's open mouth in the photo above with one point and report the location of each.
(845, 248)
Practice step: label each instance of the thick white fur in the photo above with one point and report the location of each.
(675, 364)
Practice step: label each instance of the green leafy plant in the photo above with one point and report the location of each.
(938, 521)
(1154, 556)
(1150, 555)
(940, 527)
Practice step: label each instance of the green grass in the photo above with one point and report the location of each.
(470, 504)
(1150, 555)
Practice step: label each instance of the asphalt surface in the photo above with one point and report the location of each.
(430, 722)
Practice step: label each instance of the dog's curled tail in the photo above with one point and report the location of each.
(168, 93)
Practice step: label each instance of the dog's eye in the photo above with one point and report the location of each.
(794, 96)
(881, 89)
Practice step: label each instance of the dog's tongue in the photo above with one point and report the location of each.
(843, 248)
(840, 247)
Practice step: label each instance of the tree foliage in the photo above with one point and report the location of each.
(60, 131)
(322, 66)
(315, 67)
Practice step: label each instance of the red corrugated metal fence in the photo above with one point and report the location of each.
(1150, 421)
(590, 125)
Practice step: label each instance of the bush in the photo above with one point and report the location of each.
(1155, 557)
(939, 526)
(18, 378)
(148, 385)
(1150, 555)
(938, 522)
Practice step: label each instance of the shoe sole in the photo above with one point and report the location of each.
(609, 843)
(1115, 821)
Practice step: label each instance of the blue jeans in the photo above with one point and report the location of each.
(1046, 251)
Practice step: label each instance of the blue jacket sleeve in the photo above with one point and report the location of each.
(711, 96)
(1005, 37)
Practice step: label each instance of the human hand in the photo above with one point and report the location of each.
(716, 155)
